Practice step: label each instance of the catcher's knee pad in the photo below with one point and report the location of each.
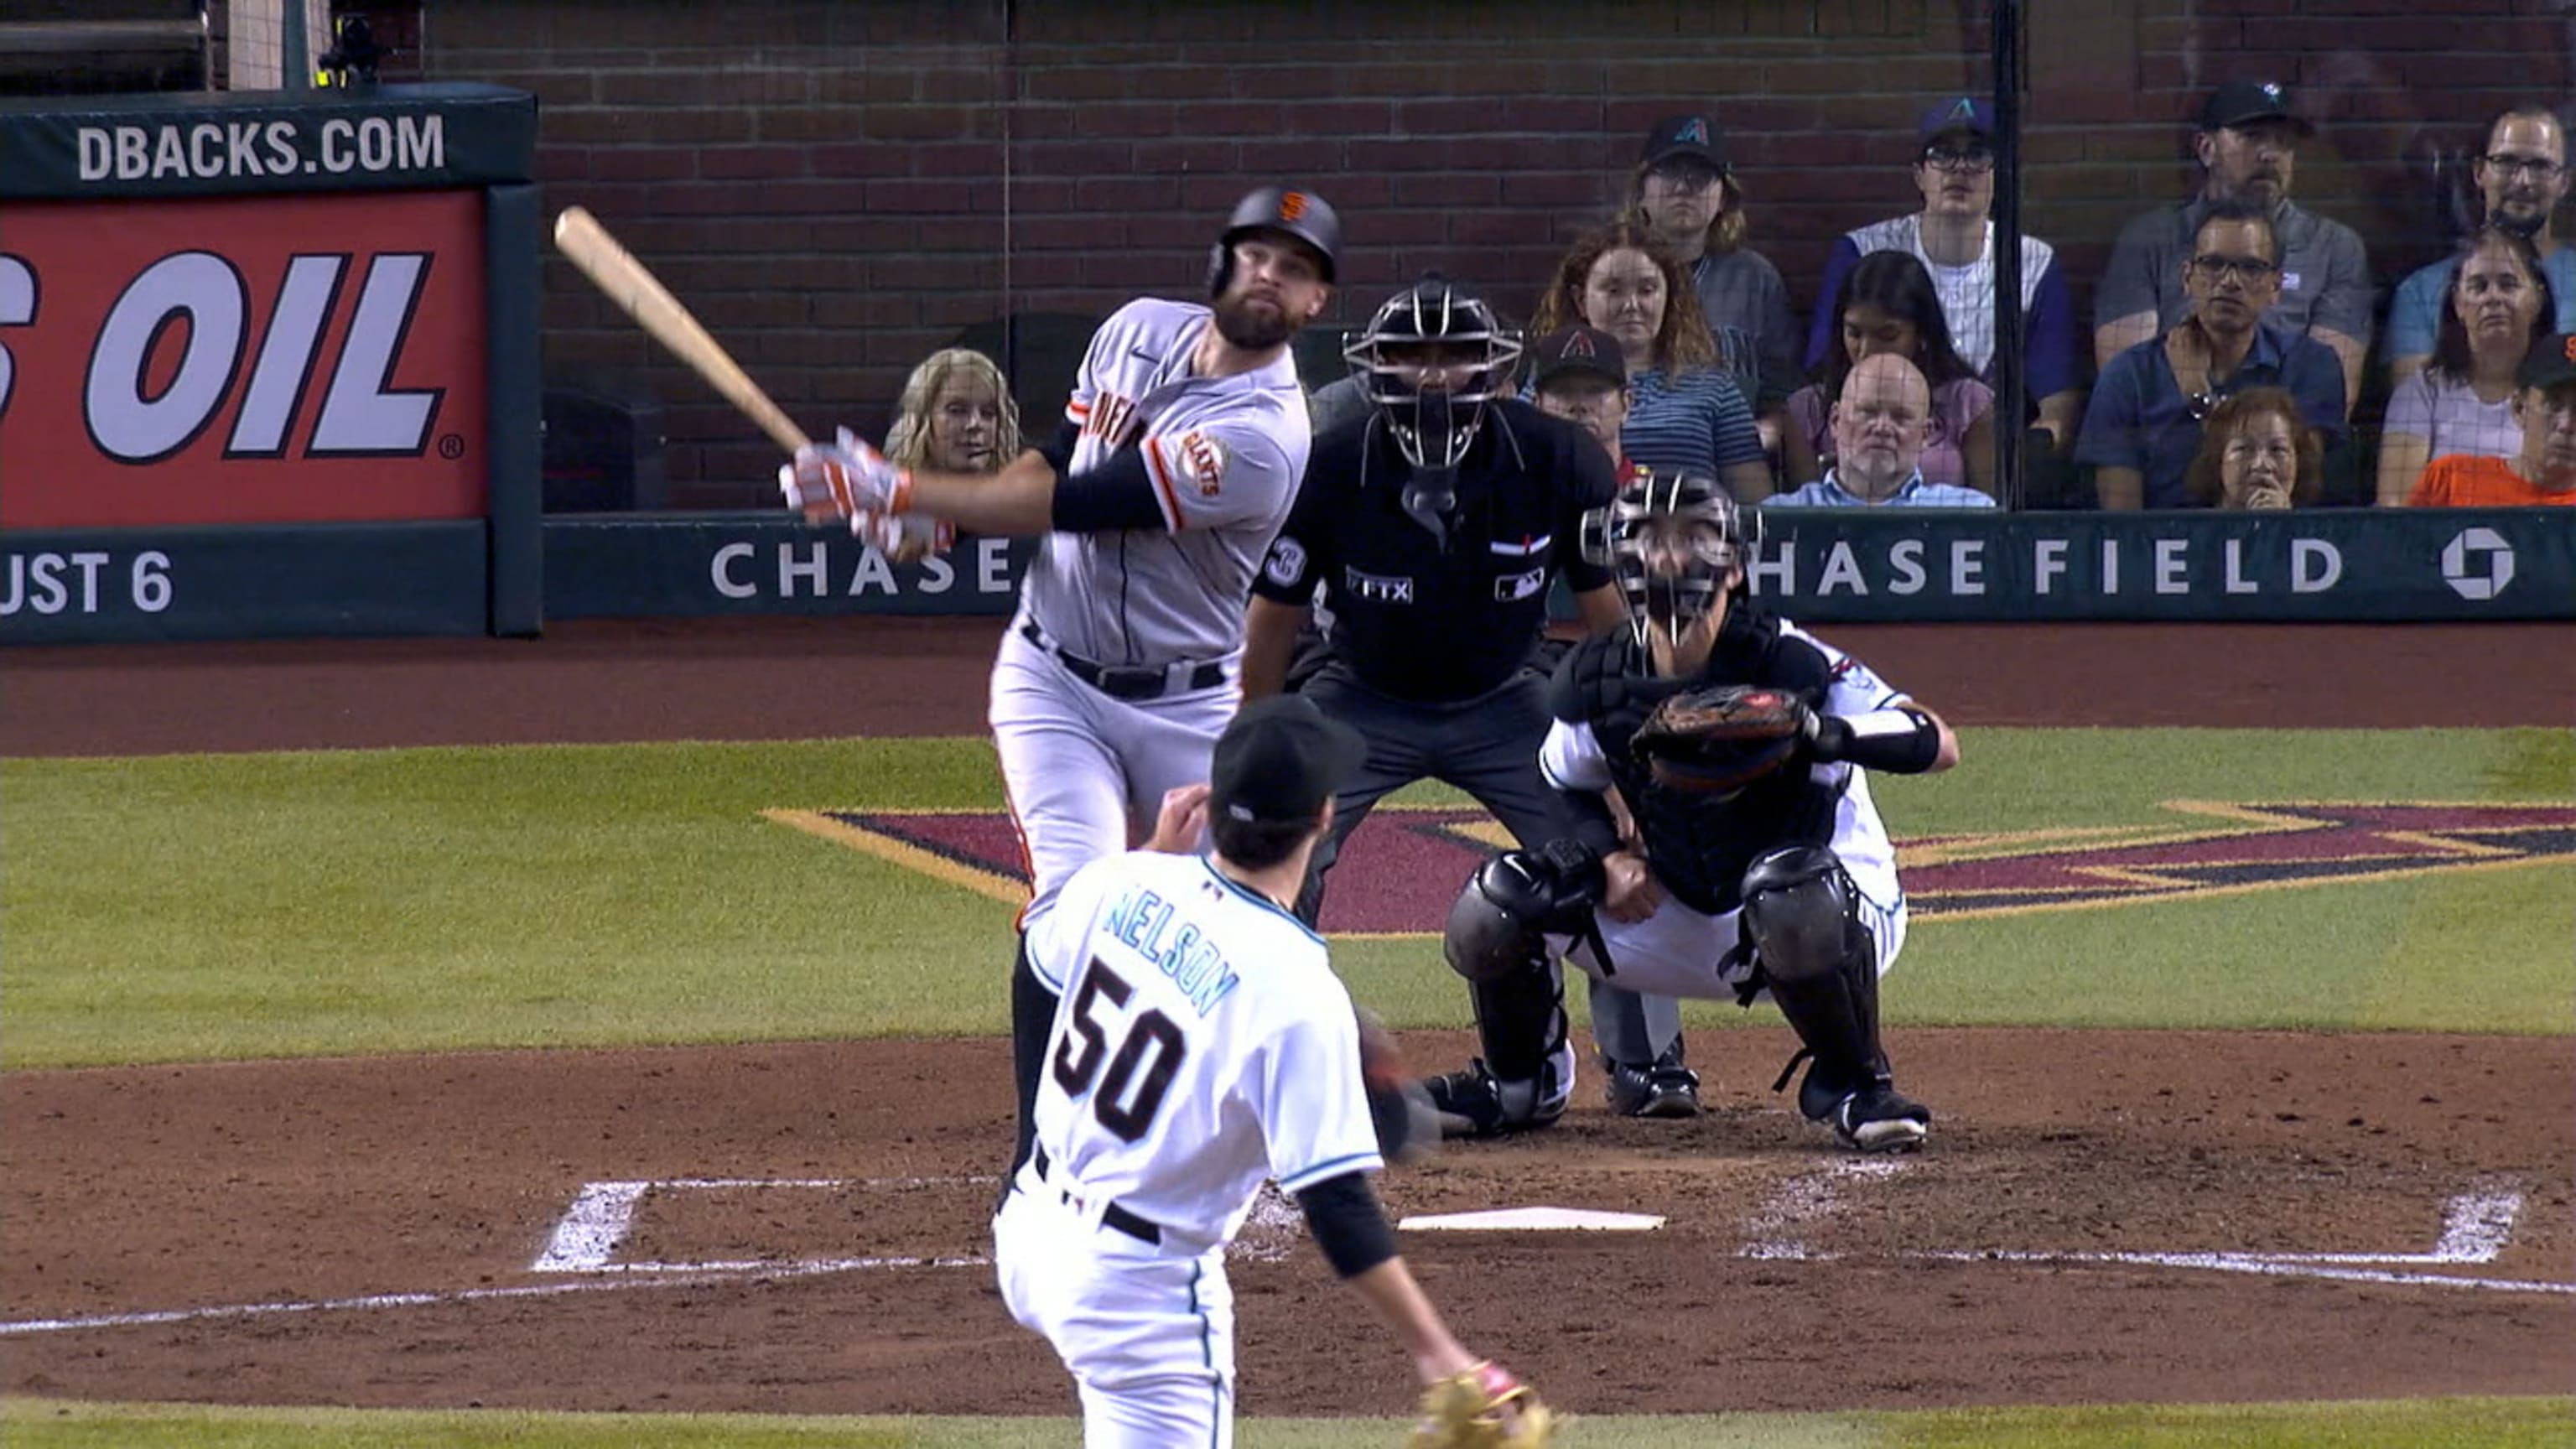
(1499, 925)
(1799, 913)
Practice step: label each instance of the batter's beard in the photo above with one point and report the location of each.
(1238, 323)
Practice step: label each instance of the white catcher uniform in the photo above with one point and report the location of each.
(1124, 660)
(1204, 1045)
(1679, 951)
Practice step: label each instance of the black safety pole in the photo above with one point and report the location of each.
(2012, 388)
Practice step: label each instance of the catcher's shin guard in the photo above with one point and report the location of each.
(1822, 970)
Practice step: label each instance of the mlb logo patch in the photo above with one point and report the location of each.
(1512, 588)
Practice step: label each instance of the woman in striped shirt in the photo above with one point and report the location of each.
(1685, 414)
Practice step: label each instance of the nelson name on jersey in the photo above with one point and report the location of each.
(1173, 945)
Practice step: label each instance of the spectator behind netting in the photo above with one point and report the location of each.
(2497, 307)
(2247, 145)
(2143, 425)
(1881, 419)
(2544, 470)
(1889, 306)
(2522, 177)
(1685, 413)
(956, 416)
(2257, 452)
(1576, 374)
(1684, 194)
(1954, 240)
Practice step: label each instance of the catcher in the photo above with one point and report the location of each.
(1756, 865)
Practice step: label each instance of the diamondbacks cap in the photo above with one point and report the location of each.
(1280, 760)
(1958, 113)
(1692, 137)
(1572, 350)
(2551, 361)
(2240, 102)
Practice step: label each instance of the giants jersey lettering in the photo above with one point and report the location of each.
(1224, 454)
(1201, 1045)
(1572, 758)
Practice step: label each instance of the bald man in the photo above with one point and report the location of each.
(1880, 424)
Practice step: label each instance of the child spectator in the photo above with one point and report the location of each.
(956, 416)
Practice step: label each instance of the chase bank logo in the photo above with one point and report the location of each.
(2477, 564)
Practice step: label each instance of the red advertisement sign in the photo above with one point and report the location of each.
(242, 360)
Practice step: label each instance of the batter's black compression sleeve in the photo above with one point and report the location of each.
(1119, 494)
(1347, 1223)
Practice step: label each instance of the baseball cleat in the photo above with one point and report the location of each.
(1878, 1118)
(1476, 1103)
(1664, 1089)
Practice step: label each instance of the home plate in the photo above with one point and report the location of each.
(1534, 1219)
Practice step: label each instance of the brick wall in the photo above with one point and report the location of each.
(838, 188)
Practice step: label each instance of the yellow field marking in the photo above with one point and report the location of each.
(903, 853)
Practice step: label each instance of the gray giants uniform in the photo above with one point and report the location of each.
(1122, 665)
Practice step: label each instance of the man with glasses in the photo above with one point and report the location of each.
(2247, 145)
(2144, 423)
(2522, 176)
(1955, 241)
(1685, 194)
(2545, 471)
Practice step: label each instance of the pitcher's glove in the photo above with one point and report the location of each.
(1719, 739)
(1483, 1408)
(1408, 1126)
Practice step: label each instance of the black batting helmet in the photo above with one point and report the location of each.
(1299, 215)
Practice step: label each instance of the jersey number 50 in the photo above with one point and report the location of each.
(1086, 1046)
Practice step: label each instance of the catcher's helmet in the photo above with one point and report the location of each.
(1672, 538)
(1301, 216)
(1435, 317)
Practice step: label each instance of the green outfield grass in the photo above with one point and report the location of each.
(201, 907)
(2423, 1424)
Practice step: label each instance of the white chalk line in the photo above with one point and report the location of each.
(678, 1276)
(2475, 1228)
(585, 1238)
(1805, 1198)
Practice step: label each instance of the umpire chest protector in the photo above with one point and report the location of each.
(1700, 844)
(1433, 618)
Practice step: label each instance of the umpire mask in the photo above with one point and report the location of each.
(1672, 539)
(1429, 361)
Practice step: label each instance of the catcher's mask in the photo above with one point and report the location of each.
(1430, 360)
(1673, 539)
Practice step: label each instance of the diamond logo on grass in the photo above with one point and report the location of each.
(1402, 869)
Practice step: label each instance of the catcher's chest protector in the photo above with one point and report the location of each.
(1700, 845)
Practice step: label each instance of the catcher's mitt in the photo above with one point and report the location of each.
(1722, 738)
(1408, 1127)
(1483, 1408)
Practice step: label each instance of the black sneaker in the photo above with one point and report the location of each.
(1878, 1118)
(1475, 1103)
(1665, 1089)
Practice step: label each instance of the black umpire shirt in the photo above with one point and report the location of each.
(1411, 619)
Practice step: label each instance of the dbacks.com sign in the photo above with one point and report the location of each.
(242, 360)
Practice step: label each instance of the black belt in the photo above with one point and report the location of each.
(1124, 681)
(1112, 1216)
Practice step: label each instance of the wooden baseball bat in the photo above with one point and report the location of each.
(641, 295)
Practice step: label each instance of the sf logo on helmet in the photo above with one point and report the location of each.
(1292, 206)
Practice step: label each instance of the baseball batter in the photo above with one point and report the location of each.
(1204, 1046)
(1776, 878)
(1179, 455)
